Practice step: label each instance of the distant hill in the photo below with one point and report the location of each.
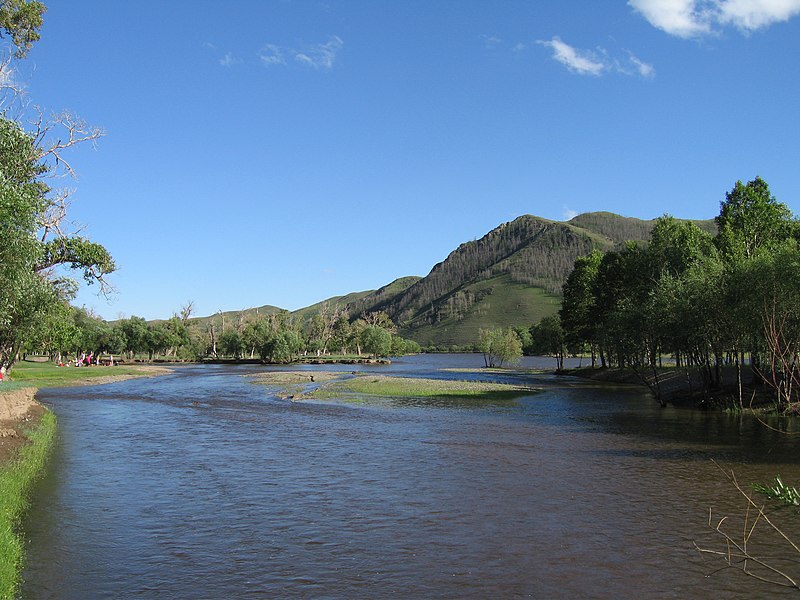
(231, 316)
(511, 276)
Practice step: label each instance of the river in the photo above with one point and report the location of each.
(201, 484)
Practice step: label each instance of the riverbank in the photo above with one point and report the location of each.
(684, 386)
(27, 433)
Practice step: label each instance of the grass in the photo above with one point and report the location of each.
(46, 374)
(510, 303)
(16, 480)
(382, 386)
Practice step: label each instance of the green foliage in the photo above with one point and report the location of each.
(32, 294)
(704, 299)
(780, 492)
(21, 19)
(751, 218)
(499, 346)
(547, 338)
(376, 340)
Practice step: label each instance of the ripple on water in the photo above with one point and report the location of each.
(574, 492)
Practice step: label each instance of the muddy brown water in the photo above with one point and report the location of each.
(202, 485)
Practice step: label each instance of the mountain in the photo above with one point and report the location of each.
(511, 276)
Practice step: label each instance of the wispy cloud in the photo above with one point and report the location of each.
(317, 56)
(584, 62)
(490, 41)
(567, 213)
(229, 60)
(642, 68)
(696, 18)
(597, 62)
(271, 55)
(321, 56)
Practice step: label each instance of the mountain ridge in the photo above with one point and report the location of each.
(512, 276)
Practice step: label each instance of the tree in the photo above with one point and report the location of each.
(376, 340)
(499, 346)
(231, 343)
(21, 19)
(548, 339)
(33, 240)
(750, 218)
(578, 312)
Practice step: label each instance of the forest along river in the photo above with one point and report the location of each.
(202, 484)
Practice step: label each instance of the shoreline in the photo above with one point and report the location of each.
(27, 434)
(683, 388)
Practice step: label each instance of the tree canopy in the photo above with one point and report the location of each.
(706, 300)
(33, 241)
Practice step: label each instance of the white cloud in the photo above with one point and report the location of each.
(683, 18)
(588, 62)
(229, 60)
(271, 55)
(644, 69)
(696, 18)
(749, 15)
(321, 55)
(568, 214)
(580, 61)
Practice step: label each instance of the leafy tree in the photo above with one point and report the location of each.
(231, 343)
(578, 312)
(136, 334)
(376, 340)
(32, 241)
(751, 218)
(21, 19)
(676, 245)
(499, 346)
(282, 347)
(548, 339)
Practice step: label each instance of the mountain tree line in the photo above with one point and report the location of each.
(707, 300)
(273, 338)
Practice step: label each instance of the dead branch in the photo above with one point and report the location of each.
(736, 553)
(58, 133)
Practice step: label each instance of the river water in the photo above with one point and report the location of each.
(201, 484)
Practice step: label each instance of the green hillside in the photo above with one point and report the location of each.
(334, 304)
(455, 320)
(512, 276)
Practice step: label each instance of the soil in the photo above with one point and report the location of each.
(19, 411)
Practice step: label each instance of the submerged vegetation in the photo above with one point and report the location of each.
(16, 480)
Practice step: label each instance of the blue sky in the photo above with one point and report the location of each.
(283, 152)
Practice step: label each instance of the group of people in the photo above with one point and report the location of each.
(87, 360)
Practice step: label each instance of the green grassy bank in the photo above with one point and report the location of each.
(16, 480)
(47, 374)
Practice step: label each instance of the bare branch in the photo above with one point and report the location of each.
(737, 554)
(68, 131)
